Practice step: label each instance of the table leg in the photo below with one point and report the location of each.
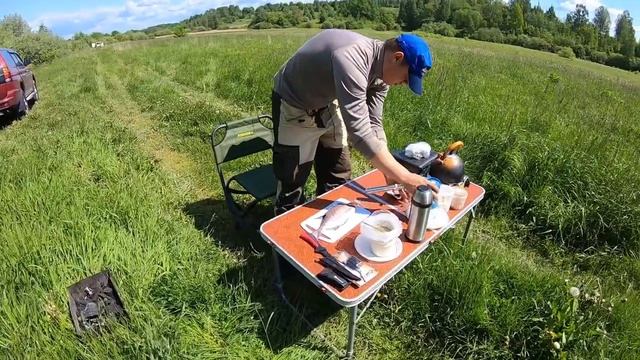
(278, 276)
(472, 215)
(351, 337)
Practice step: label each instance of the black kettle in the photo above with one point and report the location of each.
(449, 167)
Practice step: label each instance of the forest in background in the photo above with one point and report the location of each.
(581, 34)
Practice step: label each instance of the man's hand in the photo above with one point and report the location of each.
(394, 172)
(412, 181)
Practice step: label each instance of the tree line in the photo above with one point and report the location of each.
(38, 46)
(517, 22)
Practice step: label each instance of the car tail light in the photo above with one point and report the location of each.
(5, 74)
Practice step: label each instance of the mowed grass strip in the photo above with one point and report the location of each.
(78, 196)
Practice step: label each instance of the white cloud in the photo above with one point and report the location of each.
(614, 13)
(592, 5)
(133, 14)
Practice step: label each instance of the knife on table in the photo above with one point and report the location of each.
(329, 260)
(355, 186)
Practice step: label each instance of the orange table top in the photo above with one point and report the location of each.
(283, 231)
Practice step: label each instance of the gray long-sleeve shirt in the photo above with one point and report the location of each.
(342, 65)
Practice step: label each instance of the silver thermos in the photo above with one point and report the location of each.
(419, 213)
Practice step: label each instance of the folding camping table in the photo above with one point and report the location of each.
(283, 231)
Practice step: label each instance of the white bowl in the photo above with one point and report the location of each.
(381, 228)
(383, 249)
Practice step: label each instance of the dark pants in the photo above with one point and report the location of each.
(304, 139)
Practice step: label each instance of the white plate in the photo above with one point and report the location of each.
(438, 218)
(363, 247)
(312, 223)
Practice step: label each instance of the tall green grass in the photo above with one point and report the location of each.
(536, 136)
(553, 141)
(79, 196)
(87, 186)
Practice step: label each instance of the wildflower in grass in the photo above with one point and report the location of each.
(574, 291)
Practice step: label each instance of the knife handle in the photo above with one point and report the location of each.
(328, 276)
(339, 268)
(377, 189)
(309, 240)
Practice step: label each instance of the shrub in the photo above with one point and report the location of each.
(598, 57)
(137, 35)
(563, 41)
(489, 34)
(199, 29)
(567, 52)
(634, 64)
(39, 48)
(326, 25)
(441, 28)
(529, 42)
(262, 25)
(380, 27)
(306, 25)
(619, 61)
(580, 51)
(339, 25)
(510, 39)
(180, 31)
(352, 23)
(519, 40)
(537, 44)
(162, 32)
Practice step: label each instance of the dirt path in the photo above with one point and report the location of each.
(208, 32)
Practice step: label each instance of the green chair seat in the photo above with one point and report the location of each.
(260, 182)
(236, 140)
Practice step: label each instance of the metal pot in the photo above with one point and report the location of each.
(449, 167)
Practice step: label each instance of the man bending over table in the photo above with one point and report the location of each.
(329, 94)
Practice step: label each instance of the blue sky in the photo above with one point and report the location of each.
(66, 17)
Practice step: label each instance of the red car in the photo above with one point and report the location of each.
(18, 90)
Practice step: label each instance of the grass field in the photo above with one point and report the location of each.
(113, 169)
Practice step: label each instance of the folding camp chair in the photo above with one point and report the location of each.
(235, 140)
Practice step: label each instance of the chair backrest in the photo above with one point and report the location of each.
(240, 138)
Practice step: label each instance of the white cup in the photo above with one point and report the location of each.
(459, 198)
(381, 229)
(445, 197)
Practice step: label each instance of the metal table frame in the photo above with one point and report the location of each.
(355, 314)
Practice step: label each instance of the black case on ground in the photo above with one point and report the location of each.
(101, 290)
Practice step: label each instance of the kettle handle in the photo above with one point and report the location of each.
(453, 148)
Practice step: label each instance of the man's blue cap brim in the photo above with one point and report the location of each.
(415, 83)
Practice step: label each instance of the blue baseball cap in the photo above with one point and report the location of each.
(418, 56)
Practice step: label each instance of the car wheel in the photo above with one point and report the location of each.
(23, 107)
(36, 95)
